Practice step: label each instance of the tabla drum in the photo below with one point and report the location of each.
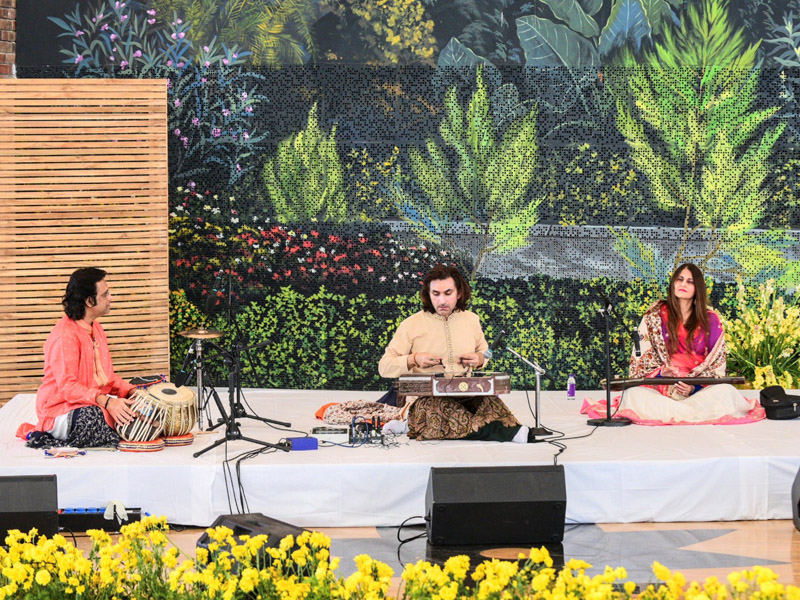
(148, 424)
(181, 412)
(154, 446)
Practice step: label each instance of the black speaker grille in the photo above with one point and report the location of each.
(496, 505)
(28, 501)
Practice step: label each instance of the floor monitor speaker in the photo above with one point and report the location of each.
(495, 505)
(28, 501)
(253, 524)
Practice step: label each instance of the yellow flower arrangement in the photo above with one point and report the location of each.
(763, 338)
(141, 565)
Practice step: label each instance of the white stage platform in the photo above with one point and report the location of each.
(627, 474)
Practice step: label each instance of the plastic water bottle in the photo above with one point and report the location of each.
(571, 387)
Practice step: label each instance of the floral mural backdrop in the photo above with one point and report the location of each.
(325, 154)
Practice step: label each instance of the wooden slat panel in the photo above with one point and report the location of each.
(83, 181)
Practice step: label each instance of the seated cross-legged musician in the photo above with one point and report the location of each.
(683, 337)
(81, 398)
(445, 337)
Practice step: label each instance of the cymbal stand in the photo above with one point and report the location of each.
(184, 377)
(232, 428)
(205, 388)
(201, 399)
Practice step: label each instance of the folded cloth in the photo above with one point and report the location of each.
(389, 397)
(343, 412)
(320, 414)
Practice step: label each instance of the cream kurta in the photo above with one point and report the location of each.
(439, 418)
(449, 338)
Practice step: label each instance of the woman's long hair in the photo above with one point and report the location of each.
(699, 317)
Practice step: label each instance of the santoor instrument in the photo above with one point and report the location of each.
(624, 384)
(451, 384)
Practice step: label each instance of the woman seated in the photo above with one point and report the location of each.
(683, 337)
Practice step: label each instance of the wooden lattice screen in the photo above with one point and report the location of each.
(83, 182)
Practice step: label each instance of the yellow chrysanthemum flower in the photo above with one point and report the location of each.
(43, 577)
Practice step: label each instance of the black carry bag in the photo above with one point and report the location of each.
(778, 404)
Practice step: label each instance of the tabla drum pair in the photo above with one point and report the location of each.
(165, 416)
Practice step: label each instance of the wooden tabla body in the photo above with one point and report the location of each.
(446, 384)
(150, 411)
(181, 408)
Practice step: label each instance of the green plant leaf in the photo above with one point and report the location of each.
(642, 259)
(627, 23)
(591, 6)
(456, 54)
(572, 13)
(305, 178)
(656, 12)
(790, 279)
(548, 44)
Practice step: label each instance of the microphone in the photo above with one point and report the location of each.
(213, 300)
(489, 353)
(610, 307)
(636, 348)
(183, 376)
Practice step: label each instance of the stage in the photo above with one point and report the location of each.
(616, 475)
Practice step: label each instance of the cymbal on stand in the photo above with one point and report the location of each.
(201, 334)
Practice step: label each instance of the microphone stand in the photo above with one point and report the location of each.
(537, 429)
(238, 330)
(237, 409)
(234, 360)
(232, 428)
(609, 421)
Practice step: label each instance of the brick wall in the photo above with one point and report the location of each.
(8, 37)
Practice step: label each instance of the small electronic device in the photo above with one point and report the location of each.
(364, 431)
(334, 435)
(302, 443)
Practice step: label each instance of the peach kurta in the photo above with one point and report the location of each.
(69, 374)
